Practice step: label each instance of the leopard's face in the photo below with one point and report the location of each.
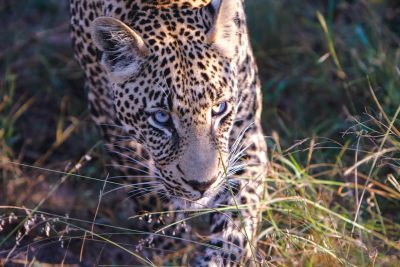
(184, 125)
(175, 93)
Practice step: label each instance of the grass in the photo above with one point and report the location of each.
(331, 84)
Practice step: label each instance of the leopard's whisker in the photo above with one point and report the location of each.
(128, 168)
(240, 138)
(132, 151)
(128, 157)
(126, 186)
(137, 161)
(144, 190)
(134, 176)
(156, 172)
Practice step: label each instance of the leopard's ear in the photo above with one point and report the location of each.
(225, 32)
(123, 50)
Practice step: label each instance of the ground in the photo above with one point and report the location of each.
(331, 84)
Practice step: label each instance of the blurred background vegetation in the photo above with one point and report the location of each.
(331, 86)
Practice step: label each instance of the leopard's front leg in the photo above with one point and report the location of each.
(233, 229)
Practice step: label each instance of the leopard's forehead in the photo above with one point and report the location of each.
(182, 68)
(174, 81)
(177, 3)
(160, 23)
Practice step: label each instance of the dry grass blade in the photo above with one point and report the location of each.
(75, 123)
(394, 182)
(378, 104)
(331, 46)
(373, 156)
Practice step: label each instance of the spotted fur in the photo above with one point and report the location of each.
(177, 80)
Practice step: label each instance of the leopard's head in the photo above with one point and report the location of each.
(173, 74)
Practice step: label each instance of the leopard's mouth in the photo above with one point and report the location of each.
(191, 200)
(191, 189)
(189, 196)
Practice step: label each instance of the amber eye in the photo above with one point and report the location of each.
(161, 117)
(219, 109)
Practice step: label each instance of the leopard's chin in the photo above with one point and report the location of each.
(194, 202)
(201, 203)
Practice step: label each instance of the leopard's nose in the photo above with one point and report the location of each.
(201, 186)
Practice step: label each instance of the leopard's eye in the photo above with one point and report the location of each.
(219, 109)
(161, 117)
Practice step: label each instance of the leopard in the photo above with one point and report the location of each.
(174, 87)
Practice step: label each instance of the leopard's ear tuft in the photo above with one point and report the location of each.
(225, 32)
(123, 50)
